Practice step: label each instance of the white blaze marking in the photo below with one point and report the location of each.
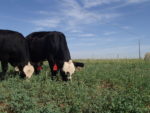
(28, 70)
(69, 67)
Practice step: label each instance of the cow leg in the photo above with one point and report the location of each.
(36, 69)
(22, 74)
(4, 66)
(53, 73)
(63, 76)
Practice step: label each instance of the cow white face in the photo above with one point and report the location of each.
(28, 70)
(69, 69)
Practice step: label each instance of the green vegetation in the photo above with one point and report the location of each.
(103, 86)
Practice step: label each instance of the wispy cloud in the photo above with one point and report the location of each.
(93, 3)
(107, 33)
(72, 15)
(87, 35)
(126, 27)
(82, 44)
(79, 14)
(43, 12)
(119, 3)
(50, 23)
(75, 31)
(136, 1)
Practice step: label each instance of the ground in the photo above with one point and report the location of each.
(102, 86)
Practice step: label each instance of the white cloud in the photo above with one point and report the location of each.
(50, 23)
(93, 3)
(136, 1)
(87, 35)
(79, 15)
(118, 3)
(126, 27)
(38, 29)
(72, 15)
(82, 44)
(75, 31)
(107, 33)
(43, 12)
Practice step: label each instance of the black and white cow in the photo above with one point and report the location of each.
(14, 50)
(51, 46)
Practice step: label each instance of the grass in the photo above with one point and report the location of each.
(102, 86)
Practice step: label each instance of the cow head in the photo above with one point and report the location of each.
(69, 69)
(28, 70)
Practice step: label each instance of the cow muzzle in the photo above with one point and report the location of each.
(69, 76)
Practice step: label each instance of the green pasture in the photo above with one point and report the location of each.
(102, 86)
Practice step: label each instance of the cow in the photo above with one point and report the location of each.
(14, 50)
(51, 46)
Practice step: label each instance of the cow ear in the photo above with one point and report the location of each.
(78, 64)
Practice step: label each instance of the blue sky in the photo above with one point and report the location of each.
(93, 28)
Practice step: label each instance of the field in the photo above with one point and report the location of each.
(102, 86)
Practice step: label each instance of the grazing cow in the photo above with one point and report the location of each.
(14, 50)
(51, 46)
